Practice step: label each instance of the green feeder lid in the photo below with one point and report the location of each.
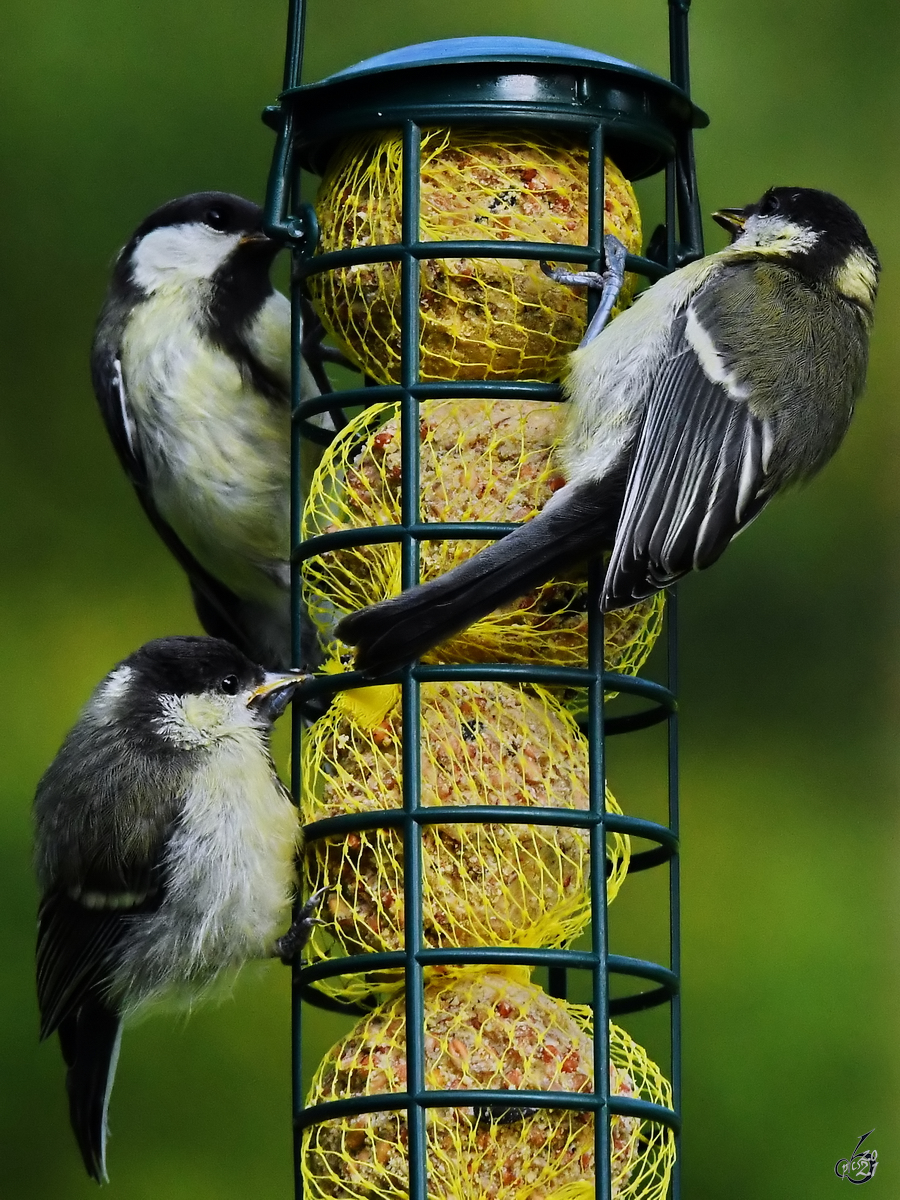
(496, 82)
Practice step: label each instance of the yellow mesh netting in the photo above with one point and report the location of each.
(485, 1028)
(481, 318)
(480, 460)
(494, 884)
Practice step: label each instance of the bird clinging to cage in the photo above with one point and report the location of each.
(165, 852)
(191, 366)
(728, 381)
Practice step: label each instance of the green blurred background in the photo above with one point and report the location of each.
(789, 646)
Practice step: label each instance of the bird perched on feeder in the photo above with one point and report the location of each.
(165, 853)
(191, 366)
(728, 381)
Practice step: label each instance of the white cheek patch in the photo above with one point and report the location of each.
(777, 234)
(172, 256)
(710, 359)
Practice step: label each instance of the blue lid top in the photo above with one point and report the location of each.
(514, 81)
(486, 49)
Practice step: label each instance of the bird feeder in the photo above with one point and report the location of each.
(448, 172)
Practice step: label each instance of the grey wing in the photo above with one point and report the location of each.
(75, 951)
(78, 935)
(100, 846)
(81, 934)
(698, 475)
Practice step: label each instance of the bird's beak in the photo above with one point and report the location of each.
(273, 695)
(732, 219)
(261, 248)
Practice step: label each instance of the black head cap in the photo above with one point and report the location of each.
(839, 230)
(221, 211)
(182, 666)
(237, 281)
(820, 211)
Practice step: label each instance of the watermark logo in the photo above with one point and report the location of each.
(860, 1166)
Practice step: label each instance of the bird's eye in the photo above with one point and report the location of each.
(230, 685)
(768, 205)
(216, 219)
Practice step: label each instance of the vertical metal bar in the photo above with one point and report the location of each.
(280, 174)
(674, 876)
(689, 219)
(557, 980)
(599, 927)
(690, 225)
(297, 481)
(683, 244)
(595, 192)
(673, 252)
(297, 488)
(411, 707)
(595, 209)
(597, 773)
(409, 349)
(296, 37)
(557, 976)
(679, 51)
(282, 184)
(681, 191)
(672, 247)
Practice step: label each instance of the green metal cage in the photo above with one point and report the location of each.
(646, 123)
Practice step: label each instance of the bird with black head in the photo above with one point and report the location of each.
(191, 365)
(728, 381)
(165, 852)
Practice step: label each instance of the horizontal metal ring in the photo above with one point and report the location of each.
(494, 814)
(356, 256)
(519, 956)
(463, 389)
(578, 1101)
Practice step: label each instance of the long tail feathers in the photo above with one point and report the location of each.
(90, 1040)
(579, 523)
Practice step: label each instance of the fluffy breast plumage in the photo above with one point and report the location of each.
(230, 870)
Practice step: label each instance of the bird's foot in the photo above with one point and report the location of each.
(591, 279)
(609, 282)
(291, 943)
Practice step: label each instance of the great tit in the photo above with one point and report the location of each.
(727, 381)
(165, 853)
(191, 366)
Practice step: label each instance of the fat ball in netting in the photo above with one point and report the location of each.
(493, 883)
(481, 318)
(485, 1028)
(480, 460)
